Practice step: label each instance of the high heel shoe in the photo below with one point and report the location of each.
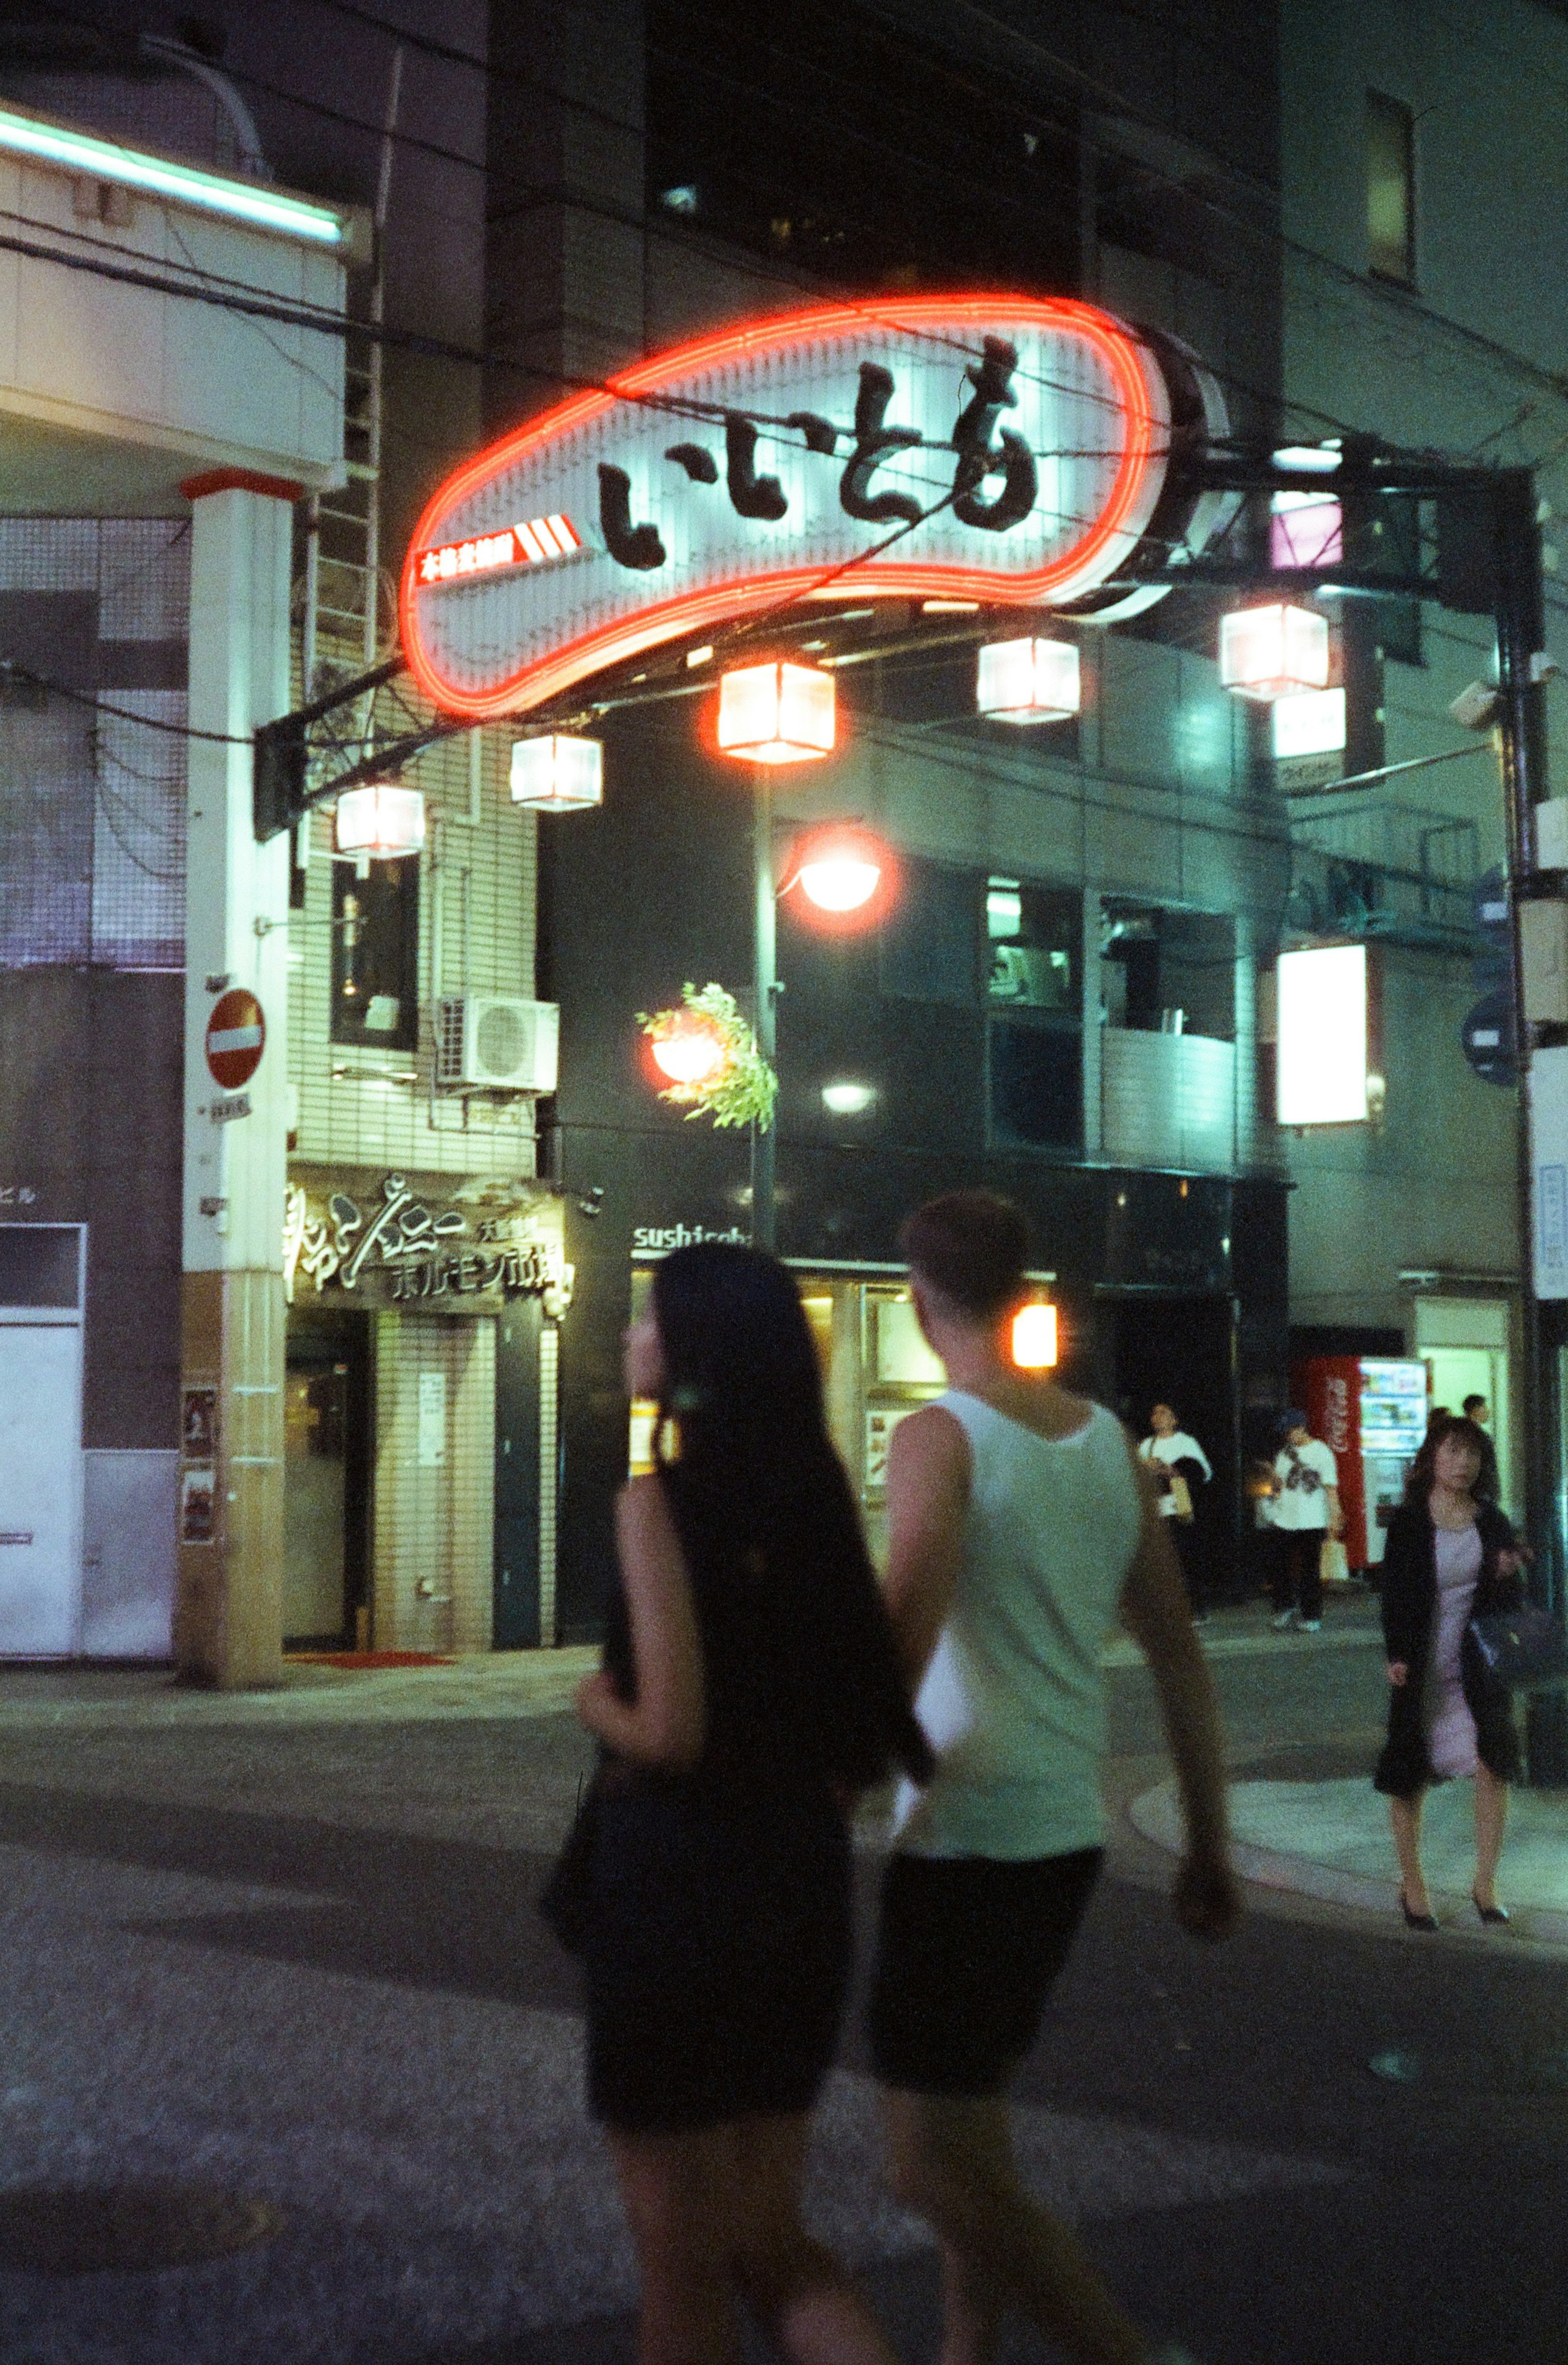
(1490, 1914)
(1418, 1920)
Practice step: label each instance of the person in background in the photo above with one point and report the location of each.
(1306, 1509)
(751, 1687)
(1171, 1454)
(1487, 1489)
(1450, 1557)
(1020, 1529)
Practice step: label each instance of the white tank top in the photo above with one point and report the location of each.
(1014, 1700)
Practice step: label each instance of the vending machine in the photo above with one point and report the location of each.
(1370, 1411)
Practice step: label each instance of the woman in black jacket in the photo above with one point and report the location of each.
(1449, 1558)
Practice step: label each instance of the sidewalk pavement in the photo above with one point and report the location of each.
(1326, 1838)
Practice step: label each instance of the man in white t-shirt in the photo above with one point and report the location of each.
(1021, 1530)
(1305, 1509)
(1172, 1453)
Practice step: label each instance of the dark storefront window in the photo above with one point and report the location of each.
(1035, 1082)
(1033, 996)
(375, 942)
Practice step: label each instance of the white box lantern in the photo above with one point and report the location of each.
(1323, 1036)
(1267, 653)
(381, 823)
(557, 774)
(775, 713)
(1028, 681)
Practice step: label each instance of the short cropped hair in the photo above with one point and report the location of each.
(973, 1247)
(1472, 1400)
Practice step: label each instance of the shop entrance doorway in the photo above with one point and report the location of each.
(326, 1432)
(1165, 1347)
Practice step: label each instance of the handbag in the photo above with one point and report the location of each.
(1182, 1496)
(564, 1900)
(1522, 1647)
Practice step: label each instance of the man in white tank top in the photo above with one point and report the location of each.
(1021, 1532)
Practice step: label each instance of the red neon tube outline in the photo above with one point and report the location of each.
(694, 610)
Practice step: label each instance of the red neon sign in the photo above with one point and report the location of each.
(1002, 448)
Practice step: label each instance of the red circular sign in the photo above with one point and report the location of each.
(236, 1037)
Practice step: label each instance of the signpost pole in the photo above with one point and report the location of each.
(765, 948)
(229, 1608)
(1520, 636)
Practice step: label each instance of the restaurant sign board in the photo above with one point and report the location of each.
(986, 448)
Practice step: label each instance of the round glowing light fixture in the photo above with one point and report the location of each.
(557, 774)
(845, 875)
(381, 823)
(1034, 1338)
(1028, 681)
(1273, 651)
(692, 1052)
(844, 1097)
(775, 713)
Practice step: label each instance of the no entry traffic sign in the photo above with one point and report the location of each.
(236, 1036)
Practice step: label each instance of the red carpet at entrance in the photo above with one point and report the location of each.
(368, 1659)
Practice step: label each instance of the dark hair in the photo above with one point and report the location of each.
(795, 1637)
(1465, 1403)
(1423, 1470)
(973, 1245)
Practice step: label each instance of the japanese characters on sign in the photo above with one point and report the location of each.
(422, 1255)
(995, 448)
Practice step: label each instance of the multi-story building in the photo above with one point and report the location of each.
(1061, 999)
(348, 1443)
(1420, 191)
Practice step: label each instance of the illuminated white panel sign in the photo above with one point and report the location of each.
(996, 449)
(1308, 723)
(1323, 1036)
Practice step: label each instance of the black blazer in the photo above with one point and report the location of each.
(1410, 1590)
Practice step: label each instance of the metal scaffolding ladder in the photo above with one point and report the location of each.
(340, 625)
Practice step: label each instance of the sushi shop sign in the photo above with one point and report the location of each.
(984, 449)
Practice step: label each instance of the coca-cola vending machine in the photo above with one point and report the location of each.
(1370, 1411)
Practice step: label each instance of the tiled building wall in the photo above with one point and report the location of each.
(360, 1106)
(434, 1484)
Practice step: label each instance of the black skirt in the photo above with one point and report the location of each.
(716, 1947)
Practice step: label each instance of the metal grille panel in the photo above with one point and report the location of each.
(93, 759)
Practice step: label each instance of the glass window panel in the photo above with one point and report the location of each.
(375, 928)
(1390, 210)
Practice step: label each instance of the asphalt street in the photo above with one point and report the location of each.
(286, 1951)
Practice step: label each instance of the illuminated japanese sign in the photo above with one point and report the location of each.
(419, 1254)
(992, 448)
(531, 543)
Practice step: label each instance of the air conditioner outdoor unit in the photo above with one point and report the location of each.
(497, 1042)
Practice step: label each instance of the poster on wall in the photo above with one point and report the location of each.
(198, 1504)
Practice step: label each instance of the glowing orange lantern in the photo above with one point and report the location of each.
(1034, 1338)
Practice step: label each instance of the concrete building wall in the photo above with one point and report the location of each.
(1466, 360)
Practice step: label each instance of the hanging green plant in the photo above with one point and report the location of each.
(709, 1051)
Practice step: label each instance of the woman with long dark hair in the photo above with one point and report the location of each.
(750, 1687)
(1450, 1557)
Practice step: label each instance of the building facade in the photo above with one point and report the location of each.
(1421, 187)
(1062, 999)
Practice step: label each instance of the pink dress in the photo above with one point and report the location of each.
(1451, 1728)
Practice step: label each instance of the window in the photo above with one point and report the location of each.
(376, 937)
(1391, 190)
(1034, 935)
